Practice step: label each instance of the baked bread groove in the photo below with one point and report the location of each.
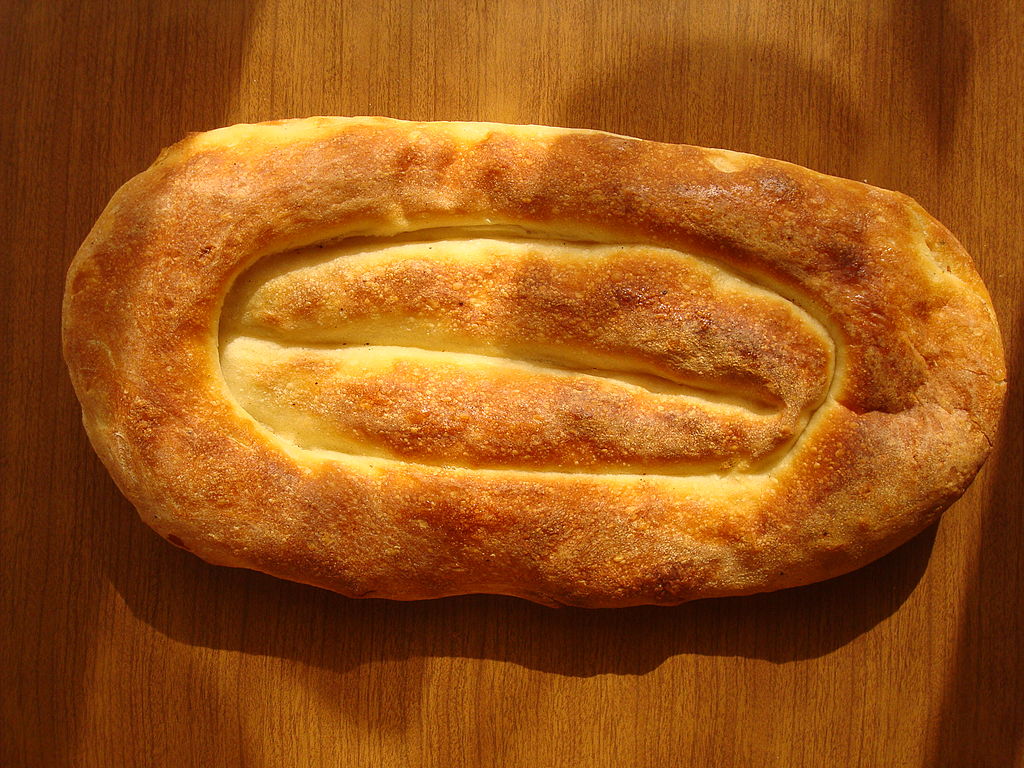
(411, 360)
(457, 310)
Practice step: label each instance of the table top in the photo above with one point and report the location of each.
(121, 650)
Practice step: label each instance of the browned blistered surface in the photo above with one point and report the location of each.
(820, 370)
(120, 649)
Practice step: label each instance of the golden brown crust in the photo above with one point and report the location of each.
(413, 360)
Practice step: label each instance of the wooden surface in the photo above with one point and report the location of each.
(119, 650)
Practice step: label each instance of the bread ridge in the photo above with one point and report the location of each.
(908, 420)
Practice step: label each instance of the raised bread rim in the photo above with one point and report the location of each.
(907, 428)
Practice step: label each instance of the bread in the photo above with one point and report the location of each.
(409, 360)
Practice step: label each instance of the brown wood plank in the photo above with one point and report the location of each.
(121, 650)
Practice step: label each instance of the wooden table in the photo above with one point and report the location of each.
(119, 650)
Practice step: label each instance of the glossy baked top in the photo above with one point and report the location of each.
(412, 360)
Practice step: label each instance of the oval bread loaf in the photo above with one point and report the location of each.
(410, 360)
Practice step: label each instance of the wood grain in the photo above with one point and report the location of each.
(120, 650)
